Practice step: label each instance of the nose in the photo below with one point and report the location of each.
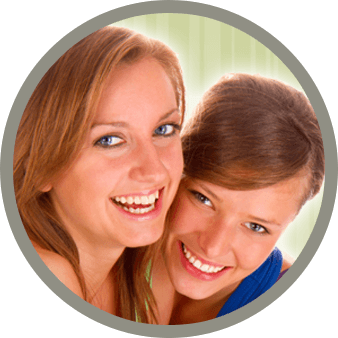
(217, 240)
(147, 165)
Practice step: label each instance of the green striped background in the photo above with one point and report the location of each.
(208, 49)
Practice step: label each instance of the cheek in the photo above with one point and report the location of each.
(94, 175)
(253, 254)
(105, 173)
(172, 158)
(183, 217)
(90, 176)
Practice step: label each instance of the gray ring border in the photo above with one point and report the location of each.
(193, 8)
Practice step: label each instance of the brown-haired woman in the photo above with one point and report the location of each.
(253, 155)
(97, 163)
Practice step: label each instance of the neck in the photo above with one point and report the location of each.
(189, 311)
(163, 291)
(97, 265)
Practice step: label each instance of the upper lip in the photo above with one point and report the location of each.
(202, 260)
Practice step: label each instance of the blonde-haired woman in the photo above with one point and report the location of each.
(97, 163)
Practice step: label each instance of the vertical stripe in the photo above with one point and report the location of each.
(233, 49)
(253, 56)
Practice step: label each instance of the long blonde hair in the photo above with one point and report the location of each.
(54, 124)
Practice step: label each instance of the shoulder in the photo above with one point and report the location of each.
(61, 268)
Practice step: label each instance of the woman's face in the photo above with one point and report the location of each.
(218, 236)
(119, 189)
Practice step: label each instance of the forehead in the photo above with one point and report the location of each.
(129, 77)
(143, 85)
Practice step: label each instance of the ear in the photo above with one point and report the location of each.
(46, 188)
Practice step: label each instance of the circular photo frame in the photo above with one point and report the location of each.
(277, 61)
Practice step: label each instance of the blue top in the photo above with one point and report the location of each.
(255, 284)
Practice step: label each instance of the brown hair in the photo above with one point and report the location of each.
(250, 132)
(54, 124)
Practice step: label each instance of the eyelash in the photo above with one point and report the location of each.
(249, 224)
(108, 138)
(176, 128)
(201, 198)
(100, 141)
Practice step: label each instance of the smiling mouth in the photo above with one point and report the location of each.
(138, 204)
(201, 266)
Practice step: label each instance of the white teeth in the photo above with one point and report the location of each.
(139, 210)
(211, 269)
(205, 267)
(197, 264)
(142, 199)
(151, 199)
(138, 200)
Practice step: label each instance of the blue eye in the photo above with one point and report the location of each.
(255, 227)
(201, 198)
(109, 141)
(167, 130)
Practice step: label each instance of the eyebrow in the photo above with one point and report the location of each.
(122, 124)
(210, 192)
(262, 220)
(165, 116)
(254, 218)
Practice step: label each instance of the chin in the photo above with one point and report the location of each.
(188, 289)
(146, 239)
(193, 294)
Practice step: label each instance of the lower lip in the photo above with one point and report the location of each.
(147, 216)
(193, 271)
